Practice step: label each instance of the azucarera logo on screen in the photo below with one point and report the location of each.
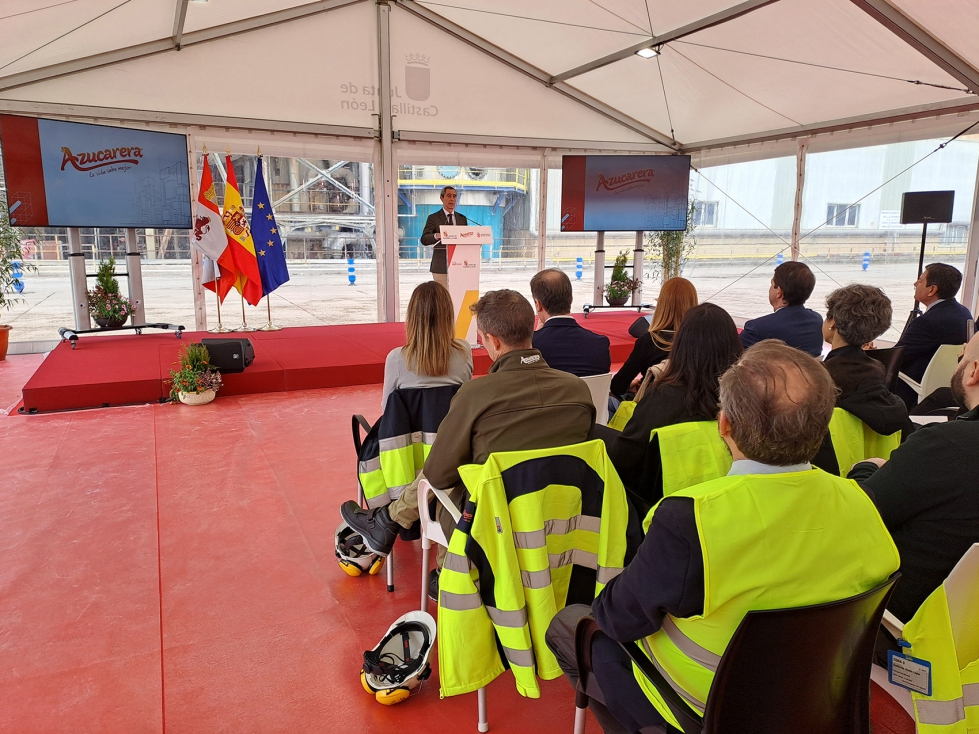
(99, 158)
(643, 175)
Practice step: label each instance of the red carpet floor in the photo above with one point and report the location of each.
(130, 369)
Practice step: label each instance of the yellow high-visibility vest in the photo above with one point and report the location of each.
(623, 415)
(532, 516)
(769, 542)
(953, 706)
(854, 441)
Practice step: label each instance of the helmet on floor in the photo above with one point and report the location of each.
(353, 555)
(397, 667)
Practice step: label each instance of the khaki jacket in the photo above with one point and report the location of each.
(521, 404)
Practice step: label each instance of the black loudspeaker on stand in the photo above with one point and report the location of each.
(922, 207)
(230, 355)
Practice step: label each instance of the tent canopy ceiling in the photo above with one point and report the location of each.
(552, 73)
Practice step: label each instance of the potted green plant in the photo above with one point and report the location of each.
(108, 307)
(11, 260)
(620, 286)
(195, 382)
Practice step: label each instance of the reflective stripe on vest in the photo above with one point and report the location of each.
(532, 517)
(953, 707)
(790, 511)
(623, 415)
(854, 441)
(401, 458)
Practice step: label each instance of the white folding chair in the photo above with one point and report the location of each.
(432, 533)
(963, 609)
(938, 373)
(598, 386)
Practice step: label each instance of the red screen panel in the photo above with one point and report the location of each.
(21, 145)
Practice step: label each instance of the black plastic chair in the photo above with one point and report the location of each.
(891, 359)
(804, 670)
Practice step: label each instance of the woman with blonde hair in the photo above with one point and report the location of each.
(431, 356)
(676, 297)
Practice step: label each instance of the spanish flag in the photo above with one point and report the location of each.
(240, 245)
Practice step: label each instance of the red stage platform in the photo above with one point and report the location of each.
(105, 371)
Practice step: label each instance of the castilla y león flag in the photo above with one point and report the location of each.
(249, 282)
(210, 238)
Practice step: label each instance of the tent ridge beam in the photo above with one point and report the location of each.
(416, 136)
(149, 48)
(942, 109)
(921, 40)
(518, 64)
(699, 25)
(179, 18)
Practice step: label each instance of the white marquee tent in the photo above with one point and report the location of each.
(500, 82)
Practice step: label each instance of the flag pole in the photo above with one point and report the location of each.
(270, 326)
(244, 322)
(220, 329)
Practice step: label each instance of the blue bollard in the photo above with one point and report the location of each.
(351, 272)
(577, 268)
(778, 259)
(866, 260)
(17, 275)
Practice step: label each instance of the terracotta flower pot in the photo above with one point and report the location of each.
(4, 340)
(617, 301)
(110, 323)
(197, 398)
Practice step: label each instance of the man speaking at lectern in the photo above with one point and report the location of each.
(447, 215)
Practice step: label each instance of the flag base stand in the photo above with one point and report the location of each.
(244, 322)
(245, 327)
(219, 329)
(270, 327)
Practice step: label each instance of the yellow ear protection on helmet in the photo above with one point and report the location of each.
(396, 668)
(353, 556)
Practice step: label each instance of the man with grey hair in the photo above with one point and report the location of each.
(774, 533)
(447, 215)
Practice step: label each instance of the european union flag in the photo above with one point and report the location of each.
(270, 253)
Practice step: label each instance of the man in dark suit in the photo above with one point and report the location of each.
(943, 322)
(792, 322)
(447, 215)
(561, 340)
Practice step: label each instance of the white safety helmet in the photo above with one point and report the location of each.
(353, 555)
(397, 667)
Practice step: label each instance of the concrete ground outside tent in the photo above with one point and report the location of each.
(318, 293)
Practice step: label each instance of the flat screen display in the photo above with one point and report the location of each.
(615, 193)
(71, 174)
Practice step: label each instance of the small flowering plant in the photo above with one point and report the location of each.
(195, 373)
(104, 301)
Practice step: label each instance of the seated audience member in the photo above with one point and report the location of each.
(716, 551)
(521, 404)
(792, 322)
(431, 356)
(856, 315)
(928, 493)
(676, 297)
(564, 343)
(943, 322)
(706, 344)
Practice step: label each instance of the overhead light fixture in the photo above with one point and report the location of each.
(648, 53)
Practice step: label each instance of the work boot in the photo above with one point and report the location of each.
(376, 527)
(433, 584)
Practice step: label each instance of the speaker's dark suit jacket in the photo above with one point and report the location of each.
(797, 326)
(943, 323)
(440, 264)
(567, 346)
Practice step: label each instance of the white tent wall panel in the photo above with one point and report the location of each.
(471, 91)
(202, 15)
(300, 72)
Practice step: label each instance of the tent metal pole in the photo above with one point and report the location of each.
(388, 306)
(135, 270)
(542, 213)
(598, 294)
(637, 255)
(970, 284)
(196, 262)
(800, 184)
(79, 281)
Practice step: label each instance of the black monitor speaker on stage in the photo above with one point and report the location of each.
(230, 355)
(925, 207)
